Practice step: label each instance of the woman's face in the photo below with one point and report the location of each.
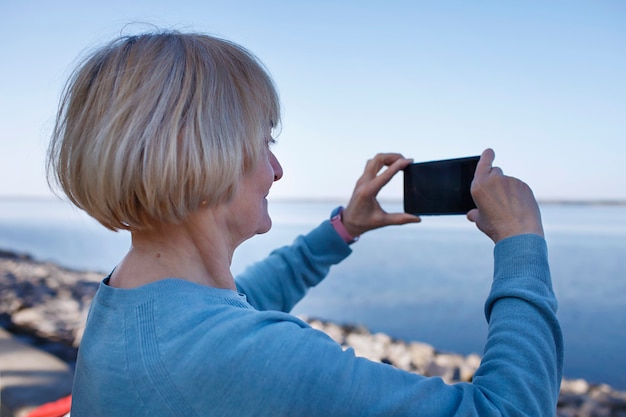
(248, 209)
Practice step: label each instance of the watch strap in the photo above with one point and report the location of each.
(336, 221)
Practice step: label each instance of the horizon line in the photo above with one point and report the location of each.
(541, 201)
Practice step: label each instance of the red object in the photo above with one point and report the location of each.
(58, 408)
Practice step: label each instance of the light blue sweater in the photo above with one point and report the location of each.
(173, 348)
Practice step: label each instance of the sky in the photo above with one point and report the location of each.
(542, 83)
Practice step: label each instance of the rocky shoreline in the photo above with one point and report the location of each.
(45, 305)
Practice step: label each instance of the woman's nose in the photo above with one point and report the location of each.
(278, 169)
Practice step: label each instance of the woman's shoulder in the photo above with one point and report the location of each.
(185, 307)
(170, 290)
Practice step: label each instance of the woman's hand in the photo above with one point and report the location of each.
(363, 212)
(506, 206)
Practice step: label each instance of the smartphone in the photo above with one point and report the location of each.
(439, 187)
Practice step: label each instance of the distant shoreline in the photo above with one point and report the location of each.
(583, 202)
(337, 200)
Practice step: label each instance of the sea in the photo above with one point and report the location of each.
(422, 282)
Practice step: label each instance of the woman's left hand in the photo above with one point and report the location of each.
(364, 212)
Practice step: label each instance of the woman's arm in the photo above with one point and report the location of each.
(283, 278)
(279, 366)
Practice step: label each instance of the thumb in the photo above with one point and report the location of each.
(485, 162)
(472, 215)
(402, 218)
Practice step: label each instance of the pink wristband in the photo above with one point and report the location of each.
(335, 220)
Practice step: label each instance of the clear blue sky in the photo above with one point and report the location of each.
(543, 83)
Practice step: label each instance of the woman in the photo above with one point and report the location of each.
(168, 135)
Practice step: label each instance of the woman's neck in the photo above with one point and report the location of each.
(196, 251)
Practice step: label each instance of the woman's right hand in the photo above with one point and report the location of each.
(364, 212)
(506, 206)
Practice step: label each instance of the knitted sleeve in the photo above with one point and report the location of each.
(302, 372)
(283, 278)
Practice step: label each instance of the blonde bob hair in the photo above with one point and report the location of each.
(151, 127)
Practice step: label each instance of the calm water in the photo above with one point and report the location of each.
(424, 282)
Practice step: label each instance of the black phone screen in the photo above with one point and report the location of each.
(439, 187)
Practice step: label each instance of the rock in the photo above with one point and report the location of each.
(575, 386)
(469, 367)
(45, 300)
(449, 365)
(422, 354)
(399, 355)
(366, 346)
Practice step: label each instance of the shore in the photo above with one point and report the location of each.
(43, 308)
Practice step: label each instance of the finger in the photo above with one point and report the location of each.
(472, 215)
(485, 162)
(389, 158)
(381, 180)
(379, 161)
(496, 170)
